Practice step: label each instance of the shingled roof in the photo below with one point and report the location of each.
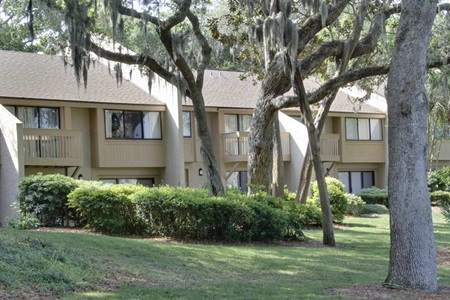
(39, 76)
(225, 89)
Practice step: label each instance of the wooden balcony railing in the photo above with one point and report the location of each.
(49, 147)
(236, 146)
(329, 147)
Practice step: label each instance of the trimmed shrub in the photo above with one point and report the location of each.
(355, 204)
(45, 196)
(300, 215)
(441, 198)
(439, 179)
(192, 213)
(375, 195)
(106, 208)
(336, 193)
(378, 209)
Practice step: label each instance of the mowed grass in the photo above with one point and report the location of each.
(42, 265)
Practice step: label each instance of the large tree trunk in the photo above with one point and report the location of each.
(276, 82)
(413, 255)
(278, 164)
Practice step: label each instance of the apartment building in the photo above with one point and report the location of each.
(121, 133)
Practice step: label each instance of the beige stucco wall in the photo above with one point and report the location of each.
(298, 145)
(173, 131)
(12, 157)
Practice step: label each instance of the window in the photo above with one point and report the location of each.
(237, 122)
(363, 129)
(121, 124)
(238, 179)
(354, 182)
(187, 128)
(36, 117)
(142, 181)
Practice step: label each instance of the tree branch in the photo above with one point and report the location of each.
(138, 59)
(206, 49)
(312, 25)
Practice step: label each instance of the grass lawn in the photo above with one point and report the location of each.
(77, 266)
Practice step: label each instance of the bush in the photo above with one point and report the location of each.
(355, 205)
(106, 208)
(192, 213)
(337, 198)
(441, 198)
(378, 209)
(24, 221)
(45, 196)
(375, 195)
(446, 212)
(439, 180)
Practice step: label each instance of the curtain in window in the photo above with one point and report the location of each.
(244, 122)
(152, 125)
(375, 129)
(351, 128)
(231, 123)
(28, 116)
(363, 129)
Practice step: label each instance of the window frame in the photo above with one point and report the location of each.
(239, 121)
(190, 123)
(117, 179)
(142, 113)
(349, 174)
(39, 117)
(369, 127)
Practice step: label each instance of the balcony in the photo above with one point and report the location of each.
(49, 147)
(236, 146)
(329, 147)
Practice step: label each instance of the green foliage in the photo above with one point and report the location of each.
(441, 198)
(446, 212)
(182, 213)
(24, 221)
(46, 197)
(439, 180)
(192, 213)
(355, 204)
(378, 209)
(301, 215)
(375, 195)
(106, 208)
(336, 193)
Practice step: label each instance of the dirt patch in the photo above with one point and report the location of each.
(378, 292)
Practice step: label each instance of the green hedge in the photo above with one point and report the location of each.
(375, 195)
(355, 205)
(192, 213)
(336, 193)
(378, 209)
(183, 213)
(106, 208)
(45, 196)
(439, 179)
(441, 198)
